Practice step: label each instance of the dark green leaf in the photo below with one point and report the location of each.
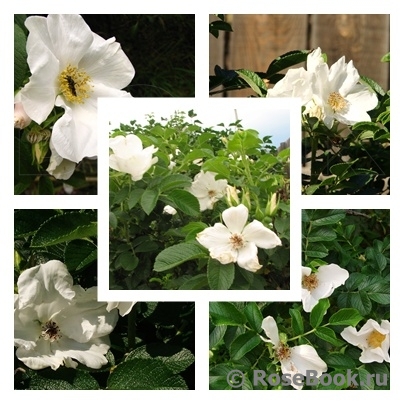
(339, 361)
(149, 200)
(327, 334)
(177, 359)
(216, 335)
(254, 316)
(345, 317)
(297, 321)
(318, 312)
(176, 255)
(185, 202)
(287, 60)
(65, 227)
(220, 276)
(79, 254)
(144, 374)
(225, 313)
(243, 344)
(20, 57)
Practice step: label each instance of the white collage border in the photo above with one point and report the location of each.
(298, 202)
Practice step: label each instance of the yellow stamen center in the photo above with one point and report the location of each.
(375, 339)
(337, 102)
(50, 331)
(74, 84)
(212, 193)
(237, 241)
(310, 282)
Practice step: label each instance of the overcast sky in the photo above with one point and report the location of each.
(264, 115)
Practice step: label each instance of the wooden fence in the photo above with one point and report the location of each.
(257, 39)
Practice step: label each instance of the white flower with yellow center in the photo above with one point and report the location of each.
(237, 241)
(57, 323)
(294, 360)
(373, 339)
(128, 156)
(321, 284)
(207, 189)
(339, 95)
(71, 67)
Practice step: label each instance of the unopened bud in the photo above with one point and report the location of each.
(272, 205)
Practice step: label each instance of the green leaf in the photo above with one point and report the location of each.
(20, 57)
(345, 317)
(197, 282)
(297, 321)
(317, 250)
(28, 221)
(216, 335)
(327, 334)
(226, 313)
(134, 197)
(287, 60)
(339, 361)
(185, 202)
(65, 227)
(79, 254)
(144, 374)
(254, 316)
(128, 261)
(174, 181)
(322, 234)
(177, 359)
(62, 379)
(149, 200)
(357, 300)
(253, 80)
(176, 255)
(217, 165)
(243, 344)
(366, 380)
(220, 276)
(333, 217)
(318, 312)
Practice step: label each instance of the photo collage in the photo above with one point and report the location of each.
(243, 216)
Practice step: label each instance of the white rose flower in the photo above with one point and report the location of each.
(57, 323)
(340, 95)
(129, 156)
(320, 284)
(207, 189)
(71, 67)
(237, 241)
(373, 338)
(297, 359)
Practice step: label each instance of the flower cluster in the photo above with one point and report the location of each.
(237, 241)
(57, 323)
(70, 67)
(373, 339)
(328, 93)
